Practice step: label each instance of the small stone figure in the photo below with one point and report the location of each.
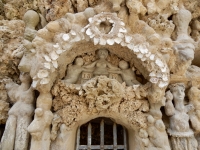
(184, 45)
(194, 98)
(16, 135)
(39, 129)
(144, 136)
(157, 134)
(102, 66)
(31, 19)
(74, 71)
(193, 95)
(182, 137)
(127, 74)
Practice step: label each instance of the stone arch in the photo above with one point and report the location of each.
(57, 46)
(133, 140)
(59, 39)
(98, 97)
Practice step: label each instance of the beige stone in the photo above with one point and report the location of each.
(130, 61)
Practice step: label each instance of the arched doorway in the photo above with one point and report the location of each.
(101, 134)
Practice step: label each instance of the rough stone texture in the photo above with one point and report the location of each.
(129, 60)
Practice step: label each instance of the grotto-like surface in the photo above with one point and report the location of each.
(64, 63)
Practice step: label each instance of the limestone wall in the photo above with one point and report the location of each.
(65, 62)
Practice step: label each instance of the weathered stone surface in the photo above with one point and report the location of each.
(127, 60)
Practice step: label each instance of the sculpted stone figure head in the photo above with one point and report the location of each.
(178, 91)
(123, 64)
(31, 19)
(102, 53)
(79, 61)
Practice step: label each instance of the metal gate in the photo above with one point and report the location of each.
(102, 143)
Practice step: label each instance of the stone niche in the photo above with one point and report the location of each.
(64, 63)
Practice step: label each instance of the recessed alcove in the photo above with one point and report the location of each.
(101, 133)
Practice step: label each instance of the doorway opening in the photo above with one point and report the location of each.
(101, 134)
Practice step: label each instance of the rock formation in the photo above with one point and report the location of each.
(66, 62)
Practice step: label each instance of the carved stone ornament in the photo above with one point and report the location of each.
(64, 63)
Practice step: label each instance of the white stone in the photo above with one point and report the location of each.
(42, 73)
(143, 59)
(76, 38)
(131, 46)
(143, 49)
(120, 35)
(110, 41)
(53, 55)
(89, 32)
(152, 56)
(83, 30)
(56, 45)
(102, 41)
(55, 63)
(111, 21)
(47, 58)
(152, 74)
(148, 54)
(123, 30)
(154, 80)
(123, 43)
(128, 38)
(136, 49)
(140, 55)
(164, 69)
(65, 37)
(47, 65)
(92, 35)
(59, 51)
(34, 83)
(44, 81)
(122, 23)
(162, 84)
(118, 40)
(159, 63)
(90, 19)
(96, 41)
(165, 78)
(72, 32)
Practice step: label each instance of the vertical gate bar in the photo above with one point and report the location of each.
(125, 142)
(114, 136)
(78, 139)
(89, 141)
(102, 135)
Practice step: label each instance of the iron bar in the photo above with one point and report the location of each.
(102, 135)
(78, 139)
(124, 132)
(89, 141)
(114, 136)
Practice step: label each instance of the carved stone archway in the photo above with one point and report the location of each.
(60, 42)
(75, 106)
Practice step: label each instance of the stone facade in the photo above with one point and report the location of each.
(66, 62)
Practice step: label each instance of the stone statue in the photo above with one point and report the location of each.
(39, 129)
(102, 66)
(127, 74)
(31, 19)
(193, 95)
(194, 98)
(16, 135)
(74, 71)
(184, 44)
(182, 137)
(157, 134)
